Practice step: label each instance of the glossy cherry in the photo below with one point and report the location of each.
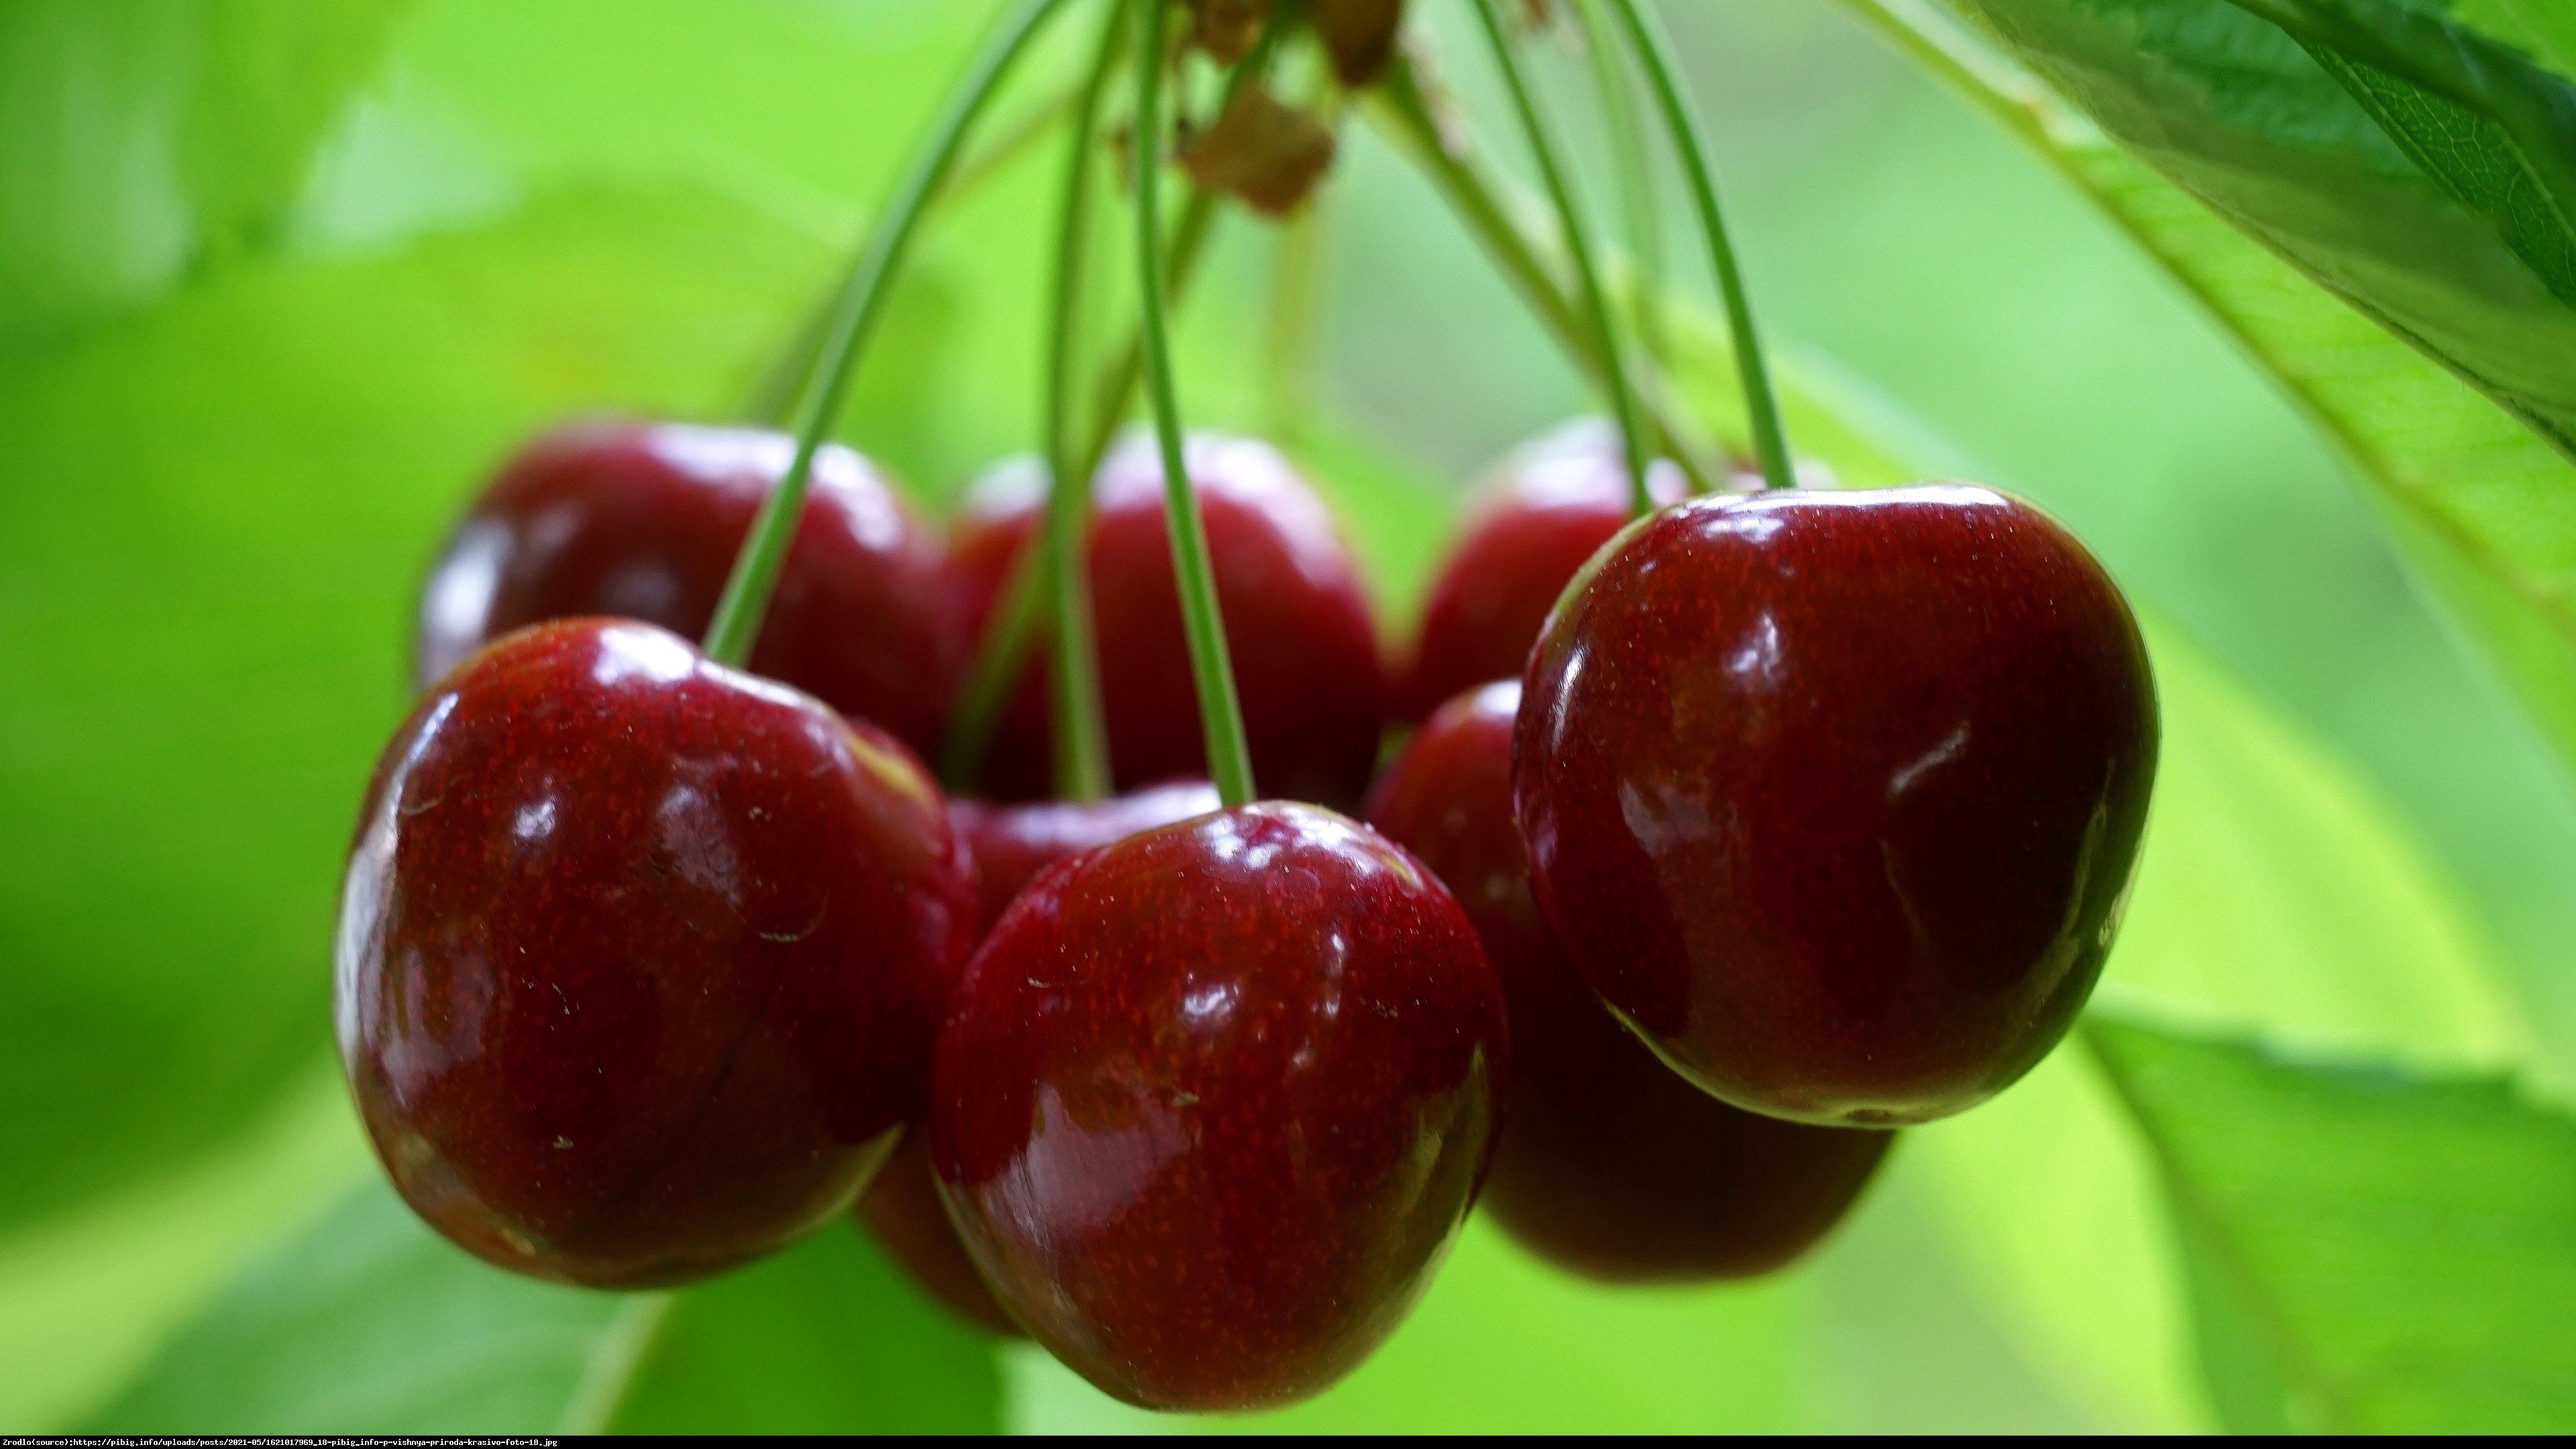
(1297, 622)
(1836, 798)
(643, 521)
(1538, 517)
(1010, 846)
(1608, 1164)
(640, 958)
(1213, 1101)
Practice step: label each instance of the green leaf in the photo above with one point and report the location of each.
(146, 137)
(2245, 152)
(372, 1324)
(2276, 891)
(2372, 1249)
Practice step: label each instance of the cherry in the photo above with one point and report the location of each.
(640, 959)
(1297, 623)
(1010, 846)
(1835, 798)
(1212, 1103)
(1543, 512)
(643, 521)
(1608, 1165)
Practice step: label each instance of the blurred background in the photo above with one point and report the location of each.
(277, 291)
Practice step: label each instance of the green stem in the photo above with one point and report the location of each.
(772, 399)
(1010, 630)
(1081, 727)
(764, 552)
(1762, 405)
(1578, 244)
(1399, 107)
(1634, 170)
(1220, 714)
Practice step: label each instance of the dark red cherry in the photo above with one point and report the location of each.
(640, 958)
(1304, 645)
(1608, 1164)
(1537, 517)
(643, 521)
(1836, 797)
(1212, 1103)
(1010, 846)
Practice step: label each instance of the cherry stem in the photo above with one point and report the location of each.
(1010, 630)
(1634, 170)
(1398, 105)
(773, 397)
(1762, 405)
(1578, 245)
(764, 552)
(1220, 713)
(1081, 725)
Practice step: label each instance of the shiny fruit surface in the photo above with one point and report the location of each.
(640, 958)
(1836, 797)
(1012, 844)
(1213, 1101)
(642, 521)
(1609, 1164)
(1297, 623)
(1541, 514)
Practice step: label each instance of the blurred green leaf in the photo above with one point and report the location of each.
(372, 1324)
(2230, 125)
(2371, 1249)
(147, 135)
(2541, 29)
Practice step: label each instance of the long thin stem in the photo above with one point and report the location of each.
(1399, 107)
(1010, 630)
(1578, 244)
(774, 395)
(1762, 405)
(1632, 164)
(1081, 728)
(1220, 713)
(764, 552)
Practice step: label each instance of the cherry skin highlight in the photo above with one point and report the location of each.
(1297, 623)
(1608, 1164)
(1212, 1103)
(640, 958)
(1010, 846)
(1835, 798)
(1537, 518)
(643, 521)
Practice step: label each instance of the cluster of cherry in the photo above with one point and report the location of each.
(646, 964)
(1726, 835)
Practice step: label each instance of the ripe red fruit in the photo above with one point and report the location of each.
(643, 521)
(1297, 622)
(1010, 846)
(1213, 1101)
(640, 958)
(1836, 798)
(1608, 1164)
(1537, 518)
